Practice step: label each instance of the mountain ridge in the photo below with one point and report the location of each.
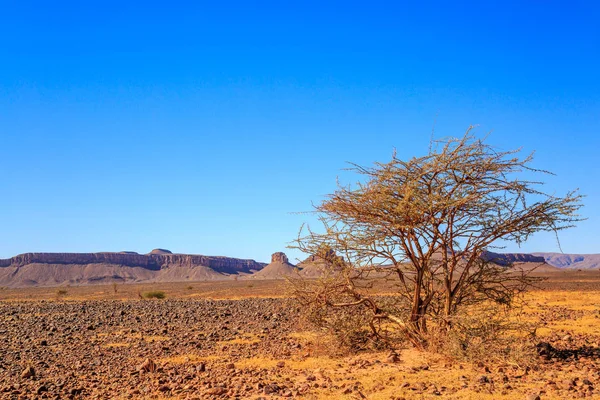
(53, 269)
(160, 265)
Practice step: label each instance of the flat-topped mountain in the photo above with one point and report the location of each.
(48, 269)
(511, 258)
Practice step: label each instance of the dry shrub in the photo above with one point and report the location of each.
(344, 330)
(155, 294)
(61, 292)
(488, 333)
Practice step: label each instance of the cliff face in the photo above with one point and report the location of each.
(509, 258)
(220, 264)
(153, 262)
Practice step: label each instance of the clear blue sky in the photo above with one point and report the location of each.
(200, 127)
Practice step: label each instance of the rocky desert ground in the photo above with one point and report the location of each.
(243, 339)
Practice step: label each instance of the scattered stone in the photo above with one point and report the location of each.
(216, 391)
(393, 357)
(28, 372)
(147, 366)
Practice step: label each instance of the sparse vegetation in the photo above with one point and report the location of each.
(155, 294)
(61, 292)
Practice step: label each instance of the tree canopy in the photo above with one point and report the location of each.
(429, 222)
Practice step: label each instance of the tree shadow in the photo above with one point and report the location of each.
(549, 352)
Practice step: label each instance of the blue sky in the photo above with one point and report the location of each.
(202, 127)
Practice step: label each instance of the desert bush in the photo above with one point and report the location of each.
(61, 292)
(489, 333)
(428, 225)
(347, 330)
(154, 294)
(190, 287)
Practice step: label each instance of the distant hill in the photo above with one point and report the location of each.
(53, 269)
(571, 261)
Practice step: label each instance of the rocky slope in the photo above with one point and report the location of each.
(46, 269)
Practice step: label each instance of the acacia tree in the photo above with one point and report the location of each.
(429, 223)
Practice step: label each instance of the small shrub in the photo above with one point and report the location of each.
(345, 330)
(61, 292)
(486, 334)
(190, 287)
(155, 294)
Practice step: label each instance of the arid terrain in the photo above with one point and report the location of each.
(244, 339)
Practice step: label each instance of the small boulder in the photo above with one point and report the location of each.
(28, 372)
(216, 391)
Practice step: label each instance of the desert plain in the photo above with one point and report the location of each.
(246, 339)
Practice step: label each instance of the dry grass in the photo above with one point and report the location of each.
(572, 312)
